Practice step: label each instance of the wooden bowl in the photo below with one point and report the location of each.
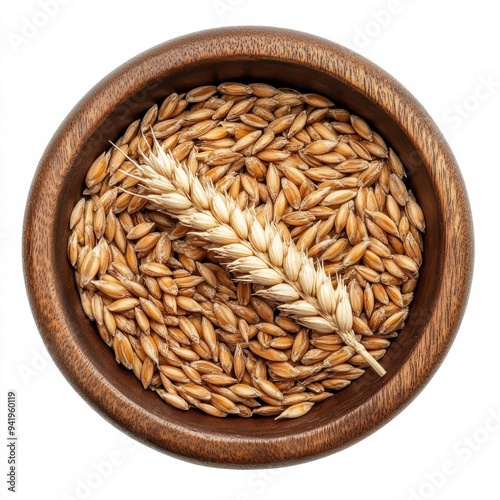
(288, 59)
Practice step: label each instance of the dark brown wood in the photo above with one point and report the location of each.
(283, 58)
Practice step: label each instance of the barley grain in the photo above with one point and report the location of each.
(295, 411)
(328, 184)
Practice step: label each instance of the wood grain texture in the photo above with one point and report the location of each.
(283, 58)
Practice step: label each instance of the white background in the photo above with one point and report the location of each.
(446, 54)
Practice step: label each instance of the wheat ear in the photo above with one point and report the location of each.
(289, 276)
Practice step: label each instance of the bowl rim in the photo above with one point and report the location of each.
(252, 42)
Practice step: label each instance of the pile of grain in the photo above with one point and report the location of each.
(176, 315)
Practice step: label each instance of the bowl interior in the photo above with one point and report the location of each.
(237, 441)
(281, 75)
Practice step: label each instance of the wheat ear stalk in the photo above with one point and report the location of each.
(289, 276)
